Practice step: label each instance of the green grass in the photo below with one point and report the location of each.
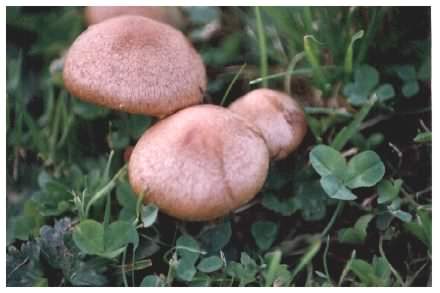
(334, 213)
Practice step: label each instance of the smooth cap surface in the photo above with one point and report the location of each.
(137, 65)
(200, 163)
(166, 14)
(279, 117)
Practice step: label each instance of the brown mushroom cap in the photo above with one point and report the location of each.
(137, 65)
(279, 117)
(166, 14)
(200, 163)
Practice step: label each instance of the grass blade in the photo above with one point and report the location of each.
(273, 267)
(374, 24)
(262, 46)
(348, 63)
(312, 57)
(347, 132)
(231, 84)
(307, 257)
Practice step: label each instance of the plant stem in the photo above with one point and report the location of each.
(107, 188)
(273, 267)
(262, 46)
(124, 277)
(300, 72)
(328, 111)
(307, 257)
(395, 273)
(346, 133)
(333, 218)
(231, 84)
(346, 268)
(324, 257)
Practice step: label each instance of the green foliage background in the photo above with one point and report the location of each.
(351, 207)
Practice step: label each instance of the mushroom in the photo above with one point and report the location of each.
(200, 163)
(279, 117)
(166, 14)
(137, 65)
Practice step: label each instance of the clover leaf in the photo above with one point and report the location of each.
(337, 178)
(210, 264)
(357, 233)
(327, 161)
(109, 241)
(366, 79)
(408, 75)
(364, 170)
(264, 233)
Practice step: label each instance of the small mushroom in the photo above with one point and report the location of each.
(137, 65)
(199, 163)
(279, 117)
(166, 14)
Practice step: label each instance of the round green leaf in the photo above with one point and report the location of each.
(406, 72)
(185, 269)
(364, 170)
(311, 200)
(210, 264)
(125, 195)
(188, 248)
(264, 233)
(388, 190)
(335, 188)
(215, 238)
(118, 235)
(327, 161)
(285, 207)
(200, 280)
(385, 92)
(152, 281)
(149, 215)
(356, 234)
(410, 88)
(367, 77)
(403, 216)
(89, 237)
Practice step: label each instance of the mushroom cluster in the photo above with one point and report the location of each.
(198, 162)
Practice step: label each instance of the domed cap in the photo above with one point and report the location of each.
(200, 163)
(279, 117)
(137, 65)
(166, 14)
